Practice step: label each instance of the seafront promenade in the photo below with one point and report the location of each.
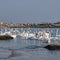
(30, 25)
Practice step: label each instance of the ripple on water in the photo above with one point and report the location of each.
(17, 54)
(4, 54)
(11, 54)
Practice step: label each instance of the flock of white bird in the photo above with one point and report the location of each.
(27, 34)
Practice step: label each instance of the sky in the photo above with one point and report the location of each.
(30, 11)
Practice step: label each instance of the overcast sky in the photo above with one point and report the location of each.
(35, 11)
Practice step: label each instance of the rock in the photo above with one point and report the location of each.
(5, 37)
(52, 47)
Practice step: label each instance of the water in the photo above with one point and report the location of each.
(21, 49)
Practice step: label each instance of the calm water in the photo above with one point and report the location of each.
(21, 49)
